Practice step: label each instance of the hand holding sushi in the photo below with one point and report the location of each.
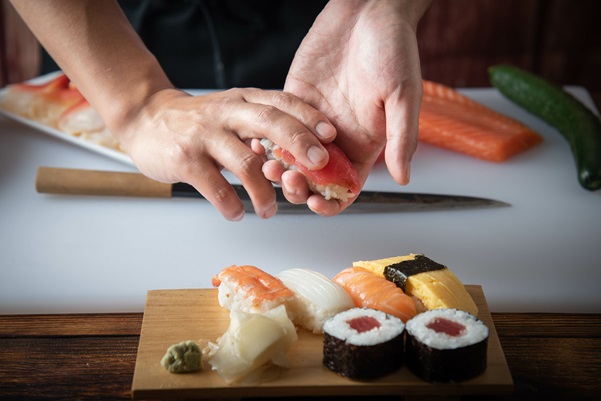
(359, 65)
(170, 135)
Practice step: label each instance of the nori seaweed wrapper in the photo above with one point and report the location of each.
(449, 365)
(400, 272)
(362, 362)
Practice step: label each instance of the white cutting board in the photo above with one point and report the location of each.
(92, 254)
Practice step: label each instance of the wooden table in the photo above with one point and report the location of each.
(92, 356)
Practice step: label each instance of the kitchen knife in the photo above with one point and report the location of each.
(91, 182)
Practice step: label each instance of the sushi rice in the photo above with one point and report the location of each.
(317, 298)
(390, 327)
(474, 332)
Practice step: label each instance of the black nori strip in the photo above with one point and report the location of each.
(400, 272)
(449, 365)
(362, 362)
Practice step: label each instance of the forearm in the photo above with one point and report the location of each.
(97, 48)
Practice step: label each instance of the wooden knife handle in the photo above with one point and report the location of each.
(90, 182)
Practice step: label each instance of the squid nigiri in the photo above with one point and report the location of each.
(317, 298)
(250, 289)
(368, 290)
(337, 180)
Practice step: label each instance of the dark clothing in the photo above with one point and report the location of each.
(221, 43)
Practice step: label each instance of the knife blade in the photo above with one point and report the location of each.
(65, 181)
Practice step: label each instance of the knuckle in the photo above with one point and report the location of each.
(249, 164)
(298, 136)
(222, 195)
(283, 100)
(266, 115)
(183, 154)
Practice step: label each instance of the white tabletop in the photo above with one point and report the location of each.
(101, 254)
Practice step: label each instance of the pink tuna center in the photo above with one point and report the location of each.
(449, 327)
(363, 323)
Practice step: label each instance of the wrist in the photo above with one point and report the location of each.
(121, 100)
(138, 119)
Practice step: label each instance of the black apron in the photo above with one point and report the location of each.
(218, 44)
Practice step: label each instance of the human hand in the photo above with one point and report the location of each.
(175, 137)
(359, 65)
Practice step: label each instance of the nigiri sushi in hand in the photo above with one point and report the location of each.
(337, 180)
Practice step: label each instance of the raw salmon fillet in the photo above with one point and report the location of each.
(453, 121)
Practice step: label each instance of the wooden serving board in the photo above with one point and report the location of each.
(173, 316)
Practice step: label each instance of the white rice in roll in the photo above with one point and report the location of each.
(363, 344)
(474, 332)
(446, 345)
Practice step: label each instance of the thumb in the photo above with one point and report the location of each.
(402, 126)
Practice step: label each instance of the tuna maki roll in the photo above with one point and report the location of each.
(363, 344)
(446, 345)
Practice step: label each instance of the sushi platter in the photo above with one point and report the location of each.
(172, 316)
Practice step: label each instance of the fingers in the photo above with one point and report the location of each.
(189, 139)
(326, 208)
(217, 190)
(287, 121)
(402, 125)
(246, 165)
(295, 187)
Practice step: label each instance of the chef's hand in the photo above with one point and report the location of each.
(176, 137)
(170, 135)
(359, 65)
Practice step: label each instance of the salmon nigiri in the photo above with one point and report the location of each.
(456, 122)
(337, 180)
(368, 290)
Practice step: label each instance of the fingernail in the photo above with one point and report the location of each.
(316, 155)
(325, 130)
(290, 189)
(238, 217)
(271, 211)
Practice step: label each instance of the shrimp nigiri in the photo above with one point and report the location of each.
(369, 290)
(250, 289)
(337, 180)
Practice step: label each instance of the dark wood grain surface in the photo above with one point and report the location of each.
(92, 356)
